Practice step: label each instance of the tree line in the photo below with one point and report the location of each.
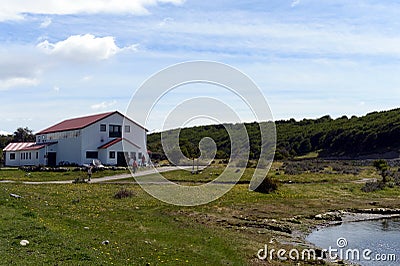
(344, 137)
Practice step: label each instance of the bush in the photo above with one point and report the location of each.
(268, 185)
(373, 186)
(123, 193)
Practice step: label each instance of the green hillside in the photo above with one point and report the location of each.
(374, 135)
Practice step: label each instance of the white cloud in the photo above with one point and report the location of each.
(103, 105)
(56, 88)
(19, 67)
(4, 133)
(17, 82)
(87, 78)
(165, 21)
(13, 10)
(46, 22)
(84, 48)
(295, 3)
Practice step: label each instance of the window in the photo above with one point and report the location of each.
(92, 155)
(37, 155)
(133, 155)
(30, 156)
(127, 129)
(12, 156)
(103, 128)
(115, 131)
(140, 156)
(112, 155)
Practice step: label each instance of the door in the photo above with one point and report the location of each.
(51, 158)
(121, 159)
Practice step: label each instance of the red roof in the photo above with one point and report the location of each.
(81, 122)
(115, 141)
(18, 146)
(76, 123)
(23, 146)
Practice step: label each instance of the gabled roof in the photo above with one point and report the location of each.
(17, 146)
(80, 122)
(115, 141)
(75, 123)
(24, 146)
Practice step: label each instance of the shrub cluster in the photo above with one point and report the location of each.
(320, 166)
(373, 186)
(268, 185)
(123, 193)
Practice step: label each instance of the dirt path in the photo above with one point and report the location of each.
(103, 179)
(365, 180)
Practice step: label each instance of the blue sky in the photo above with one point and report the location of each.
(62, 59)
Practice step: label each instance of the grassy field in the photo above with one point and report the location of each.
(66, 224)
(18, 175)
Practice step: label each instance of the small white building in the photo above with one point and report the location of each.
(110, 137)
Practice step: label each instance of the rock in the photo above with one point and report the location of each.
(24, 242)
(105, 242)
(86, 228)
(318, 216)
(15, 196)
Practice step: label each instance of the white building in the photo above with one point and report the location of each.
(110, 137)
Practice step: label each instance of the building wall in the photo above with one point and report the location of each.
(14, 162)
(25, 158)
(122, 146)
(68, 150)
(72, 146)
(68, 145)
(138, 136)
(92, 138)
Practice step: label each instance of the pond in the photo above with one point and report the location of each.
(373, 242)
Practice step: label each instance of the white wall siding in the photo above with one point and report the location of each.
(25, 158)
(69, 150)
(72, 145)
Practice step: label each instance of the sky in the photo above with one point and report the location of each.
(61, 59)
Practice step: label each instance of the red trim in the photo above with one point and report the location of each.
(33, 148)
(115, 141)
(110, 143)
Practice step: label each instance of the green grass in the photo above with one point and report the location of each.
(213, 171)
(140, 229)
(19, 175)
(144, 230)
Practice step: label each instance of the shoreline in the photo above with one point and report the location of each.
(335, 218)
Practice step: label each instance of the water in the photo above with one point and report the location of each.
(381, 237)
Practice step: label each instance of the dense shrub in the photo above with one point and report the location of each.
(373, 186)
(123, 193)
(268, 185)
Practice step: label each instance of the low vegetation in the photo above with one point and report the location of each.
(73, 224)
(16, 174)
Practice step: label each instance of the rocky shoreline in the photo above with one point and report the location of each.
(355, 215)
(338, 217)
